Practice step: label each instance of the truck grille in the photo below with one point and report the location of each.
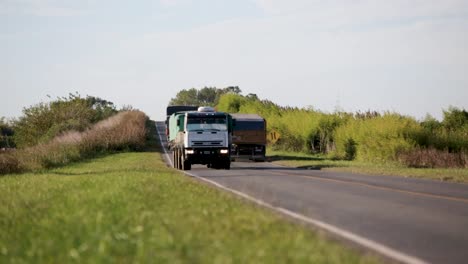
(207, 143)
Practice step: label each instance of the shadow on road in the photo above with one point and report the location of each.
(266, 168)
(281, 157)
(305, 167)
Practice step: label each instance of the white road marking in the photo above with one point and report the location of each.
(375, 246)
(164, 148)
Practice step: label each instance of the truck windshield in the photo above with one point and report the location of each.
(206, 123)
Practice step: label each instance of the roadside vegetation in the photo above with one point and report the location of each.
(6, 134)
(68, 130)
(398, 143)
(321, 162)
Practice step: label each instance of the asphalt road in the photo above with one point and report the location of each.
(405, 219)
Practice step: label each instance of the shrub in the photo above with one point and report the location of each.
(378, 139)
(42, 122)
(124, 131)
(433, 158)
(6, 134)
(350, 149)
(9, 163)
(363, 135)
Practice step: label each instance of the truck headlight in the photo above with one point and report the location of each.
(189, 151)
(224, 151)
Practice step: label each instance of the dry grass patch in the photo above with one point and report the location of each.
(124, 131)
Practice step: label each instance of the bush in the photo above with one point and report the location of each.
(9, 163)
(350, 149)
(433, 158)
(377, 139)
(124, 131)
(44, 121)
(362, 135)
(6, 134)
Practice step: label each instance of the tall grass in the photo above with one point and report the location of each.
(433, 158)
(376, 139)
(126, 130)
(368, 136)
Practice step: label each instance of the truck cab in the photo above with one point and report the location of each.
(200, 137)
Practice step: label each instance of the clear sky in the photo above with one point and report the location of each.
(409, 56)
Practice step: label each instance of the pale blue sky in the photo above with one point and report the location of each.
(409, 56)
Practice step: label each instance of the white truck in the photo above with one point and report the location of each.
(200, 137)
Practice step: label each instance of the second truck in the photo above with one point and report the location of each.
(249, 137)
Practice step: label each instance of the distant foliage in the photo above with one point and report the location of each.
(6, 134)
(367, 136)
(44, 121)
(207, 96)
(379, 138)
(350, 149)
(455, 119)
(433, 158)
(451, 134)
(124, 131)
(9, 162)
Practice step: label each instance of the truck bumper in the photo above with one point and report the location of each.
(207, 155)
(249, 151)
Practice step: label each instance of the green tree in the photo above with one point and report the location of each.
(44, 121)
(207, 96)
(6, 134)
(232, 89)
(185, 97)
(455, 119)
(430, 123)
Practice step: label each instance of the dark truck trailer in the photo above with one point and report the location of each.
(248, 137)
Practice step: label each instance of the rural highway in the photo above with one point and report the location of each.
(404, 219)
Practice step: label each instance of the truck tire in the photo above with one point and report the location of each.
(179, 160)
(215, 165)
(227, 166)
(174, 159)
(186, 165)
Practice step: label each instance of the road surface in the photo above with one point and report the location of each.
(405, 219)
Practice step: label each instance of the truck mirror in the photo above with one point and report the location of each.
(234, 122)
(178, 122)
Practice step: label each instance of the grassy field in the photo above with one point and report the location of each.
(302, 160)
(131, 208)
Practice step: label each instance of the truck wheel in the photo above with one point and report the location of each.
(186, 165)
(226, 164)
(174, 159)
(179, 165)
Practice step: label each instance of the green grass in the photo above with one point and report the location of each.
(131, 208)
(303, 160)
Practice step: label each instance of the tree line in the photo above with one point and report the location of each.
(207, 96)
